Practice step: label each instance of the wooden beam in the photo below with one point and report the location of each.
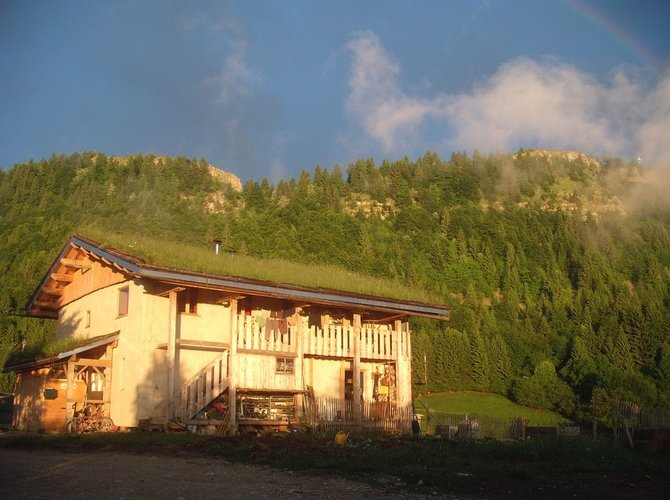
(172, 365)
(388, 318)
(399, 363)
(107, 387)
(225, 299)
(72, 263)
(256, 390)
(44, 313)
(117, 266)
(232, 369)
(202, 345)
(65, 278)
(44, 304)
(52, 291)
(93, 362)
(298, 368)
(277, 354)
(167, 293)
(356, 370)
(69, 397)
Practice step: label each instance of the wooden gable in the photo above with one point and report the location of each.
(75, 273)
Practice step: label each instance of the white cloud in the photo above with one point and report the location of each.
(236, 78)
(524, 104)
(375, 99)
(527, 103)
(654, 134)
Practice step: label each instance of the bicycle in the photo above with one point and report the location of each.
(90, 418)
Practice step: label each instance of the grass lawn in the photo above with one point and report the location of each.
(483, 404)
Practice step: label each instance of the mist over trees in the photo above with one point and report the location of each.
(559, 284)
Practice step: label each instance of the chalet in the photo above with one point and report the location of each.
(161, 344)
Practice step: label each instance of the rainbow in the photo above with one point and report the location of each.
(618, 33)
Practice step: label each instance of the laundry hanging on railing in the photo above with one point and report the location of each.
(276, 323)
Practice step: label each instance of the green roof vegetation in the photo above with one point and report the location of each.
(45, 349)
(177, 255)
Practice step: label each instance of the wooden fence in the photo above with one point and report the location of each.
(464, 426)
(332, 415)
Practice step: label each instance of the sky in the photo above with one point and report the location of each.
(271, 88)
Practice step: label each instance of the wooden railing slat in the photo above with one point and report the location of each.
(203, 387)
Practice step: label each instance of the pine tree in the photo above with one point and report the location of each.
(481, 368)
(501, 365)
(581, 369)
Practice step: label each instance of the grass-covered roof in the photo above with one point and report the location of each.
(203, 259)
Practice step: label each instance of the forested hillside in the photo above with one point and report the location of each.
(556, 266)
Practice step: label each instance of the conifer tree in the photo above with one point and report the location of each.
(481, 368)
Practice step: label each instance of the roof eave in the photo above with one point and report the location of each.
(297, 294)
(61, 357)
(137, 267)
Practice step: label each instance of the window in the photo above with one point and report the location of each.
(123, 300)
(187, 301)
(50, 393)
(284, 365)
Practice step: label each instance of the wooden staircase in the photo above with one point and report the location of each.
(203, 388)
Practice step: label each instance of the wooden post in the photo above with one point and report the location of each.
(107, 388)
(356, 370)
(69, 410)
(232, 368)
(299, 372)
(399, 364)
(408, 369)
(172, 356)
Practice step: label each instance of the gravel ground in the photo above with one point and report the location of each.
(51, 474)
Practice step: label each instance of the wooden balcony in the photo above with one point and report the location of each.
(376, 342)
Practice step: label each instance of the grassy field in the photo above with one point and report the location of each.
(483, 404)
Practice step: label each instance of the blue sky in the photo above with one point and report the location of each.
(270, 88)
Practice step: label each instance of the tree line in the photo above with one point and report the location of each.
(557, 298)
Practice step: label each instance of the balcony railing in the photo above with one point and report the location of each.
(376, 341)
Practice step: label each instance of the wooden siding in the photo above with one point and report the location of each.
(94, 276)
(259, 372)
(32, 411)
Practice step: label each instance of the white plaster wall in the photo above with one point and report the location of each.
(93, 314)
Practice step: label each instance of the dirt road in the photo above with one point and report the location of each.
(50, 474)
